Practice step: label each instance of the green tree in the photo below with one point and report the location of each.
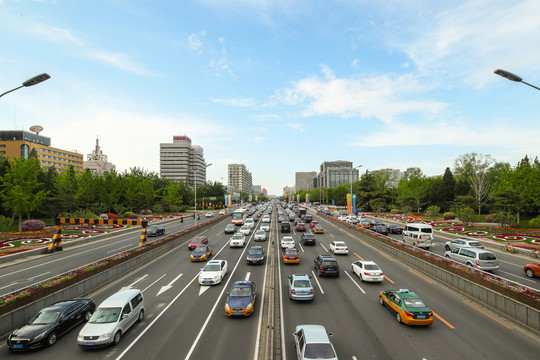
(505, 219)
(433, 211)
(20, 188)
(475, 167)
(132, 188)
(66, 189)
(171, 197)
(464, 213)
(86, 194)
(412, 187)
(109, 188)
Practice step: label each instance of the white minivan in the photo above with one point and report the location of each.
(418, 235)
(112, 319)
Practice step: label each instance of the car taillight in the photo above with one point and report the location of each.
(430, 313)
(321, 268)
(338, 268)
(311, 291)
(408, 313)
(347, 249)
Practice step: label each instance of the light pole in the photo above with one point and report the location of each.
(513, 77)
(195, 209)
(350, 177)
(30, 82)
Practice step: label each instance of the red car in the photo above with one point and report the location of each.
(313, 223)
(532, 270)
(300, 227)
(196, 241)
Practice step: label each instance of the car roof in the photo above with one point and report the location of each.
(215, 262)
(366, 262)
(300, 276)
(120, 298)
(242, 284)
(314, 333)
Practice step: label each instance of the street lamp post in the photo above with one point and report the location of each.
(350, 177)
(513, 77)
(195, 209)
(30, 82)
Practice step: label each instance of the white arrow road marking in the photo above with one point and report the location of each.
(133, 283)
(167, 287)
(203, 289)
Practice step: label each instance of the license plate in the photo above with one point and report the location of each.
(237, 314)
(207, 282)
(420, 316)
(18, 346)
(90, 344)
(489, 263)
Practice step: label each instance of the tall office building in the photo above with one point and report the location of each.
(305, 180)
(335, 173)
(97, 161)
(180, 160)
(240, 178)
(20, 143)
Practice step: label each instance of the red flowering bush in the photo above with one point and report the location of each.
(112, 216)
(449, 216)
(146, 212)
(33, 225)
(133, 216)
(489, 218)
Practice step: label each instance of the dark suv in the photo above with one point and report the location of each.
(308, 239)
(308, 218)
(326, 265)
(285, 226)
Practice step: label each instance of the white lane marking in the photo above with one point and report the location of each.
(355, 283)
(167, 287)
(325, 249)
(123, 247)
(15, 283)
(519, 277)
(301, 248)
(161, 277)
(33, 277)
(317, 280)
(136, 281)
(510, 263)
(202, 289)
(247, 276)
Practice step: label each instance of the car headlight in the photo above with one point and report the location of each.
(80, 337)
(105, 336)
(249, 306)
(227, 307)
(40, 336)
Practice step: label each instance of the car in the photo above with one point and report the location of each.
(241, 299)
(265, 218)
(312, 342)
(196, 241)
(473, 257)
(375, 223)
(45, 327)
(308, 218)
(313, 223)
(285, 226)
(265, 226)
(532, 270)
(326, 265)
(381, 229)
(237, 240)
(213, 272)
(230, 229)
(297, 220)
(308, 239)
(367, 270)
(407, 307)
(318, 229)
(281, 218)
(260, 235)
(255, 255)
(394, 229)
(201, 253)
(300, 226)
(287, 242)
(364, 224)
(339, 247)
(155, 230)
(245, 229)
(290, 256)
(222, 212)
(249, 222)
(209, 215)
(462, 243)
(300, 287)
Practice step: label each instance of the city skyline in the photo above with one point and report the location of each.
(279, 86)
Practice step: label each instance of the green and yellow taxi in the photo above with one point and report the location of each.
(407, 307)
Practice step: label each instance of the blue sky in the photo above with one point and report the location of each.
(278, 85)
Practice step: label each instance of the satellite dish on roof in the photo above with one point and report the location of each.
(36, 128)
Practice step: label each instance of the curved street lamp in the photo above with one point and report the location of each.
(30, 82)
(513, 77)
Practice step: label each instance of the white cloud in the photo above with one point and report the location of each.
(54, 34)
(235, 102)
(117, 60)
(195, 42)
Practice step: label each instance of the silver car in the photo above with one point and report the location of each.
(477, 258)
(312, 342)
(463, 243)
(300, 287)
(260, 235)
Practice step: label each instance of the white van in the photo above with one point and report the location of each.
(420, 235)
(112, 319)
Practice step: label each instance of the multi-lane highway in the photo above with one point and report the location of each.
(187, 321)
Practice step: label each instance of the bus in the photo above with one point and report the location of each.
(238, 217)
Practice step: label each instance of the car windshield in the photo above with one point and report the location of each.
(199, 250)
(45, 317)
(211, 267)
(105, 315)
(301, 284)
(371, 267)
(308, 236)
(414, 303)
(319, 351)
(290, 252)
(237, 237)
(329, 263)
(255, 251)
(487, 256)
(153, 227)
(240, 292)
(260, 232)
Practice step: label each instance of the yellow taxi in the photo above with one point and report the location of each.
(290, 256)
(318, 229)
(201, 253)
(407, 307)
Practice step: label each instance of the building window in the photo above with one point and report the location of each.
(25, 151)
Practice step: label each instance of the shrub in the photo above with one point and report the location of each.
(399, 211)
(535, 222)
(489, 218)
(33, 225)
(133, 216)
(146, 212)
(127, 214)
(382, 210)
(393, 211)
(449, 216)
(112, 216)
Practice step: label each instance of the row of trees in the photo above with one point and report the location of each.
(476, 182)
(29, 191)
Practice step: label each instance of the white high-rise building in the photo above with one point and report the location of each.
(180, 160)
(240, 178)
(97, 161)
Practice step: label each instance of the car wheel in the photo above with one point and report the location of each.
(529, 273)
(51, 339)
(381, 301)
(447, 256)
(141, 316)
(117, 338)
(87, 315)
(447, 248)
(398, 317)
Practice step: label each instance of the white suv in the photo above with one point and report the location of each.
(265, 226)
(237, 240)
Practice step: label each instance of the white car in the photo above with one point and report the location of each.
(260, 235)
(237, 240)
(208, 215)
(213, 272)
(339, 247)
(249, 222)
(287, 242)
(222, 212)
(265, 218)
(245, 229)
(367, 270)
(265, 226)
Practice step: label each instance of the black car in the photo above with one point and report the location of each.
(50, 323)
(394, 229)
(374, 224)
(308, 239)
(381, 229)
(230, 229)
(155, 230)
(255, 255)
(326, 265)
(285, 227)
